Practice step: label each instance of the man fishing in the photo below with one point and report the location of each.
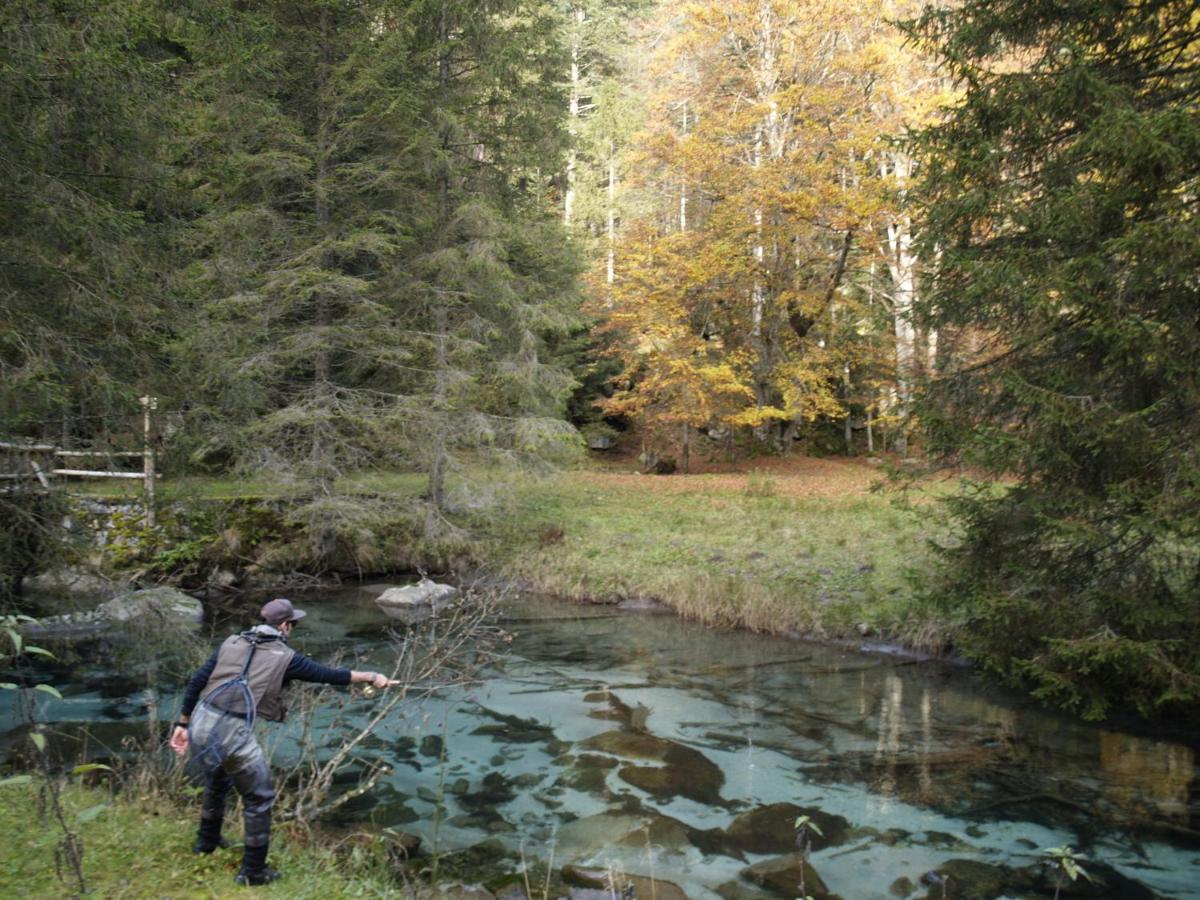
(245, 678)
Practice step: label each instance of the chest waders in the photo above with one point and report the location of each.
(223, 722)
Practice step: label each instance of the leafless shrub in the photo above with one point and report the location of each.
(447, 650)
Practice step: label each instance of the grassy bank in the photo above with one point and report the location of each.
(773, 545)
(135, 848)
(800, 546)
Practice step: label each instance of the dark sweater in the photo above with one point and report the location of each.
(301, 668)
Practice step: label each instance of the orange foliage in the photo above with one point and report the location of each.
(741, 297)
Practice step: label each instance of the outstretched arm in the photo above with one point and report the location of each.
(301, 668)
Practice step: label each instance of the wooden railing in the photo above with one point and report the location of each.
(42, 461)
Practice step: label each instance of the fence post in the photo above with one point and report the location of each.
(149, 404)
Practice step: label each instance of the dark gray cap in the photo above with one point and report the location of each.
(280, 610)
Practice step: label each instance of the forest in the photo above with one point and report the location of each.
(453, 237)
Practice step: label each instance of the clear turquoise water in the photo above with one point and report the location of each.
(923, 763)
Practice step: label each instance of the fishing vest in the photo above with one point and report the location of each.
(265, 676)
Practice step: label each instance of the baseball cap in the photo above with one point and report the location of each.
(280, 610)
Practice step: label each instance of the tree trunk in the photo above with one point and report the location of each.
(683, 193)
(439, 451)
(902, 264)
(573, 114)
(320, 453)
(610, 274)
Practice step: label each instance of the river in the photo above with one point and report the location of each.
(637, 741)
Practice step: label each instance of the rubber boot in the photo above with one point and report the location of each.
(208, 838)
(254, 869)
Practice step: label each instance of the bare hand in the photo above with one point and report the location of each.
(381, 681)
(179, 740)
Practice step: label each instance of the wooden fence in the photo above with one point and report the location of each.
(45, 461)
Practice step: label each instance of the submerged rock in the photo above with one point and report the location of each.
(586, 779)
(685, 772)
(629, 744)
(432, 745)
(660, 831)
(516, 731)
(607, 884)
(772, 829)
(583, 837)
(496, 790)
(788, 876)
(1104, 881)
(740, 890)
(969, 879)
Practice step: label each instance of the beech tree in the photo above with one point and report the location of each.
(1060, 195)
(758, 152)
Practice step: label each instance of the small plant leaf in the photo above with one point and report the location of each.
(17, 641)
(39, 740)
(90, 767)
(38, 651)
(805, 823)
(17, 779)
(48, 689)
(8, 686)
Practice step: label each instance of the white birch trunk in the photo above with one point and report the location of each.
(902, 265)
(757, 295)
(573, 113)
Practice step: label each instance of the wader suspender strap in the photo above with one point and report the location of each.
(249, 658)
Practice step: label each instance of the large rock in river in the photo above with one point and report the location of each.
(164, 604)
(414, 602)
(160, 611)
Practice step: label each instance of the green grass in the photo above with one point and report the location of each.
(141, 848)
(819, 566)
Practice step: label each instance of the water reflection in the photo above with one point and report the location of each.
(1147, 778)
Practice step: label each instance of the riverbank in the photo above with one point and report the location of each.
(798, 546)
(140, 847)
(802, 547)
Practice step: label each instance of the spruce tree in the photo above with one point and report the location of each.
(491, 277)
(1059, 201)
(86, 199)
(375, 269)
(86, 202)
